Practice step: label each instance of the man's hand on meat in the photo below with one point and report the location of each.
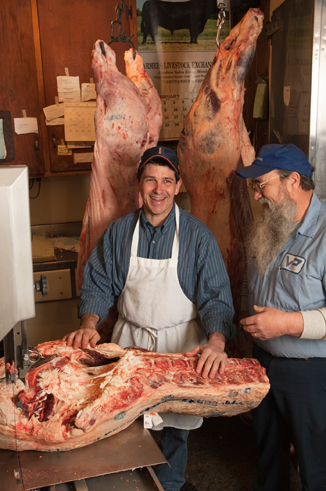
(270, 323)
(87, 334)
(212, 356)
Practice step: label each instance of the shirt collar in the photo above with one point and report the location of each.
(309, 222)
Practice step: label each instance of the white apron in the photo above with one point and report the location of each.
(155, 314)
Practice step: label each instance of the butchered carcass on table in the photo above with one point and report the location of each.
(214, 143)
(74, 397)
(128, 120)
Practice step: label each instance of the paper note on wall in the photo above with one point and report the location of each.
(55, 122)
(88, 92)
(80, 144)
(69, 96)
(53, 112)
(68, 89)
(25, 125)
(79, 121)
(82, 158)
(64, 150)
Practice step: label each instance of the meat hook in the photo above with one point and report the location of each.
(220, 21)
(124, 39)
(103, 49)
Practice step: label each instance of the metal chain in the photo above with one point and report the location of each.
(118, 21)
(121, 37)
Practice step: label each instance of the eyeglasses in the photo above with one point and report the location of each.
(258, 186)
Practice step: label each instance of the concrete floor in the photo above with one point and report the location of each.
(222, 457)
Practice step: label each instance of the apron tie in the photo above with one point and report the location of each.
(138, 335)
(152, 338)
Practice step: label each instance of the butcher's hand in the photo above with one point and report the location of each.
(212, 356)
(86, 334)
(269, 323)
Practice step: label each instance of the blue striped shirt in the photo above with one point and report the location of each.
(201, 270)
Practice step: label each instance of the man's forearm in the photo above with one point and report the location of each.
(309, 324)
(270, 322)
(89, 321)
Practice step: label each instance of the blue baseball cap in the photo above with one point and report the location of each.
(165, 154)
(281, 157)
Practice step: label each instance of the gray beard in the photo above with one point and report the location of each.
(270, 232)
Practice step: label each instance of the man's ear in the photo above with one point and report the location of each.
(177, 189)
(295, 180)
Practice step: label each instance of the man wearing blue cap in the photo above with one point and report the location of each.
(163, 269)
(286, 251)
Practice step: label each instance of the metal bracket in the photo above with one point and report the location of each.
(129, 12)
(272, 27)
(36, 145)
(26, 355)
(54, 141)
(41, 285)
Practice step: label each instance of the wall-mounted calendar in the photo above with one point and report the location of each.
(177, 81)
(175, 107)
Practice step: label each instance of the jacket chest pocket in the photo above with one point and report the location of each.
(281, 290)
(288, 292)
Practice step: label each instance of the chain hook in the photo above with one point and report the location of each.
(119, 10)
(220, 21)
(121, 35)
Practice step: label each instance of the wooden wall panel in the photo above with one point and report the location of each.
(68, 31)
(18, 80)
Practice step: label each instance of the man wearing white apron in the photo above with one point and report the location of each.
(169, 288)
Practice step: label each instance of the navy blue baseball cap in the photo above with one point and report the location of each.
(281, 157)
(165, 154)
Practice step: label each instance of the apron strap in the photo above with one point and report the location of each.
(175, 247)
(135, 238)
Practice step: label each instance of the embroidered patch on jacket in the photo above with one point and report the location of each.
(293, 263)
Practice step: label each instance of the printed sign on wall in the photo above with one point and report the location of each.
(177, 41)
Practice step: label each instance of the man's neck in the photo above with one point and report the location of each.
(157, 220)
(303, 200)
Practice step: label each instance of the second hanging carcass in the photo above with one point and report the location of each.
(215, 142)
